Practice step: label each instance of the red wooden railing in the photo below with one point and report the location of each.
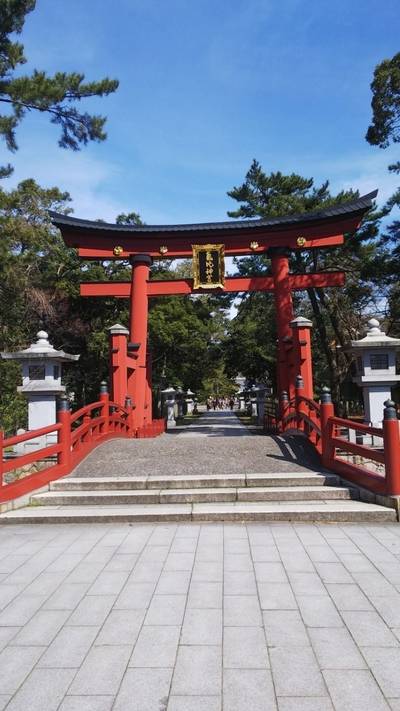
(378, 468)
(341, 450)
(77, 434)
(303, 414)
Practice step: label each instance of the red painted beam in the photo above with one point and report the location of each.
(318, 279)
(185, 286)
(121, 289)
(102, 248)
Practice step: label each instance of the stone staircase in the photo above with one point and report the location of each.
(290, 496)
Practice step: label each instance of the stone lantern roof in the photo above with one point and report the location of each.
(40, 349)
(374, 338)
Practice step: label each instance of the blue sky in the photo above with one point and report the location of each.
(206, 87)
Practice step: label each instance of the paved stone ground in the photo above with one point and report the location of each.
(217, 443)
(206, 617)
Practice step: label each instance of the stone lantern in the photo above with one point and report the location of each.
(375, 359)
(168, 396)
(253, 400)
(41, 384)
(241, 382)
(261, 391)
(180, 394)
(189, 402)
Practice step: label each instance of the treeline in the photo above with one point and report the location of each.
(193, 342)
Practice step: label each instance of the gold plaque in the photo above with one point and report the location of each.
(163, 249)
(117, 251)
(208, 266)
(254, 246)
(301, 241)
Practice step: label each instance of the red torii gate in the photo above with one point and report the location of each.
(142, 243)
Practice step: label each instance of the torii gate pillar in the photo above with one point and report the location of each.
(137, 383)
(284, 315)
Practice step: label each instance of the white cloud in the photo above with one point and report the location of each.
(88, 179)
(362, 171)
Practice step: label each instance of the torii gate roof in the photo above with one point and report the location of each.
(324, 228)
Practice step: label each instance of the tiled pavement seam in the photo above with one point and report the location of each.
(298, 547)
(42, 571)
(368, 687)
(98, 540)
(305, 678)
(105, 654)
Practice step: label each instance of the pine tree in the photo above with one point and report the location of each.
(383, 131)
(336, 313)
(55, 96)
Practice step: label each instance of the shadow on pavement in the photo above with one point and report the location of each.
(295, 449)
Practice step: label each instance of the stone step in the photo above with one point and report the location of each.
(187, 496)
(333, 511)
(305, 478)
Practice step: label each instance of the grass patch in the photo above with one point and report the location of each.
(250, 422)
(188, 419)
(245, 419)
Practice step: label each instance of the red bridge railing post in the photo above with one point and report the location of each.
(131, 416)
(1, 458)
(391, 450)
(284, 408)
(105, 407)
(64, 434)
(327, 411)
(301, 329)
(300, 404)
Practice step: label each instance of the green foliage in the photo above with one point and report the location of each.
(39, 288)
(385, 129)
(132, 218)
(250, 345)
(217, 383)
(274, 195)
(385, 126)
(179, 336)
(336, 314)
(54, 95)
(13, 409)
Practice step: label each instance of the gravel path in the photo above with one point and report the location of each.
(217, 443)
